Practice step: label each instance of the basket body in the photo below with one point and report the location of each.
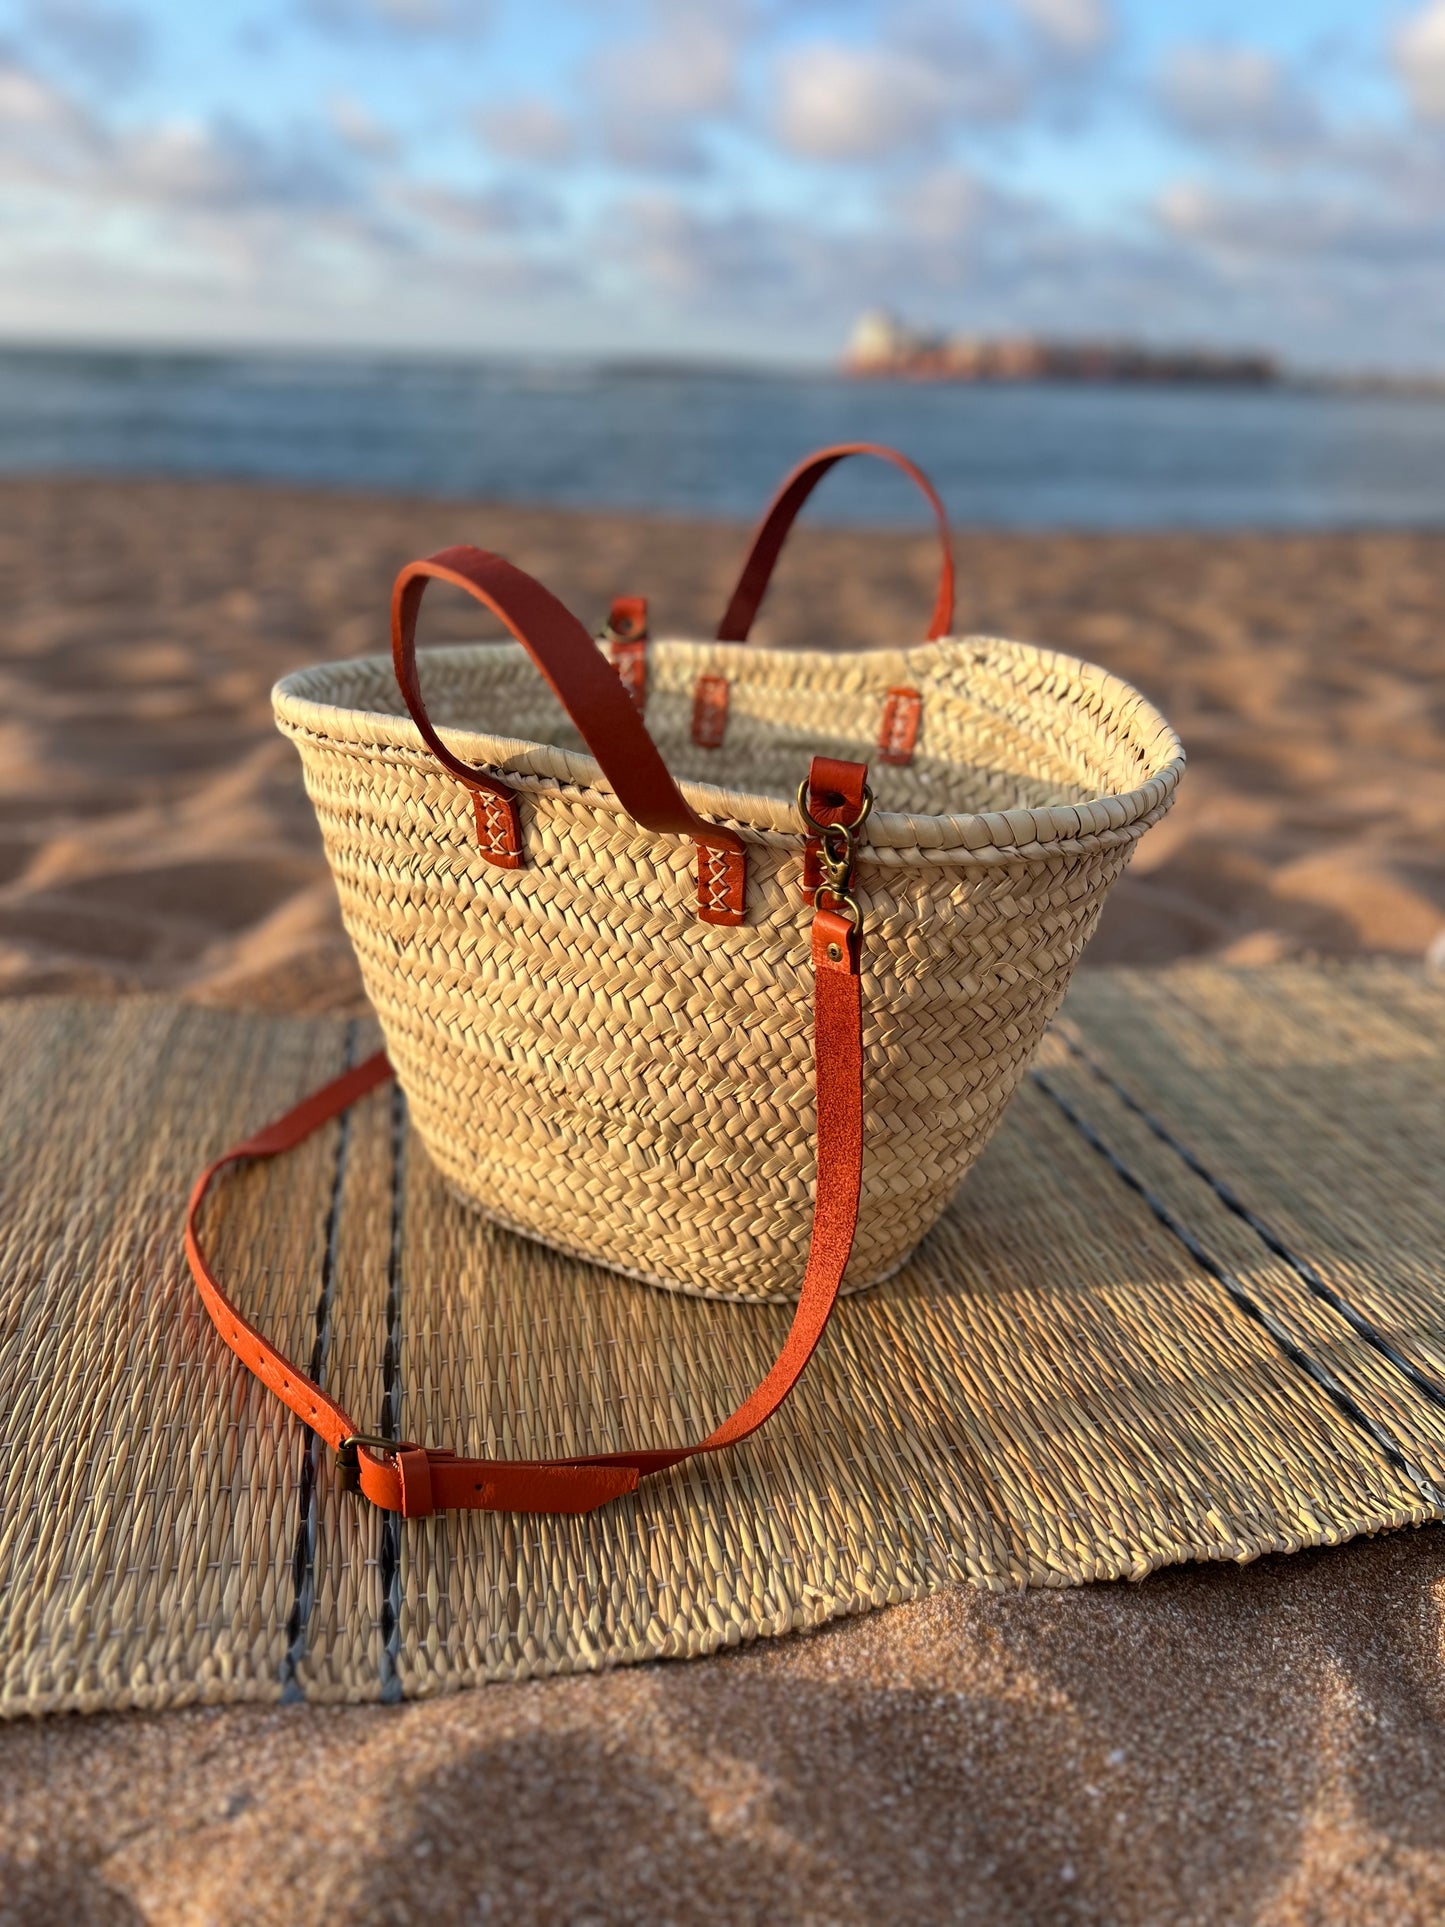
(593, 1066)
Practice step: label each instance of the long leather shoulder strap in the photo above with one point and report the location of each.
(415, 1479)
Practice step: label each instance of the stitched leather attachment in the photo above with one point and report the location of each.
(710, 711)
(898, 731)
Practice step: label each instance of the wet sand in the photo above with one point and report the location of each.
(1216, 1745)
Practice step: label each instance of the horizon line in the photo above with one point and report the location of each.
(622, 361)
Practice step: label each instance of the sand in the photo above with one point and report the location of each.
(1213, 1746)
(1216, 1745)
(154, 834)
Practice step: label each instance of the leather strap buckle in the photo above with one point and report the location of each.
(347, 1463)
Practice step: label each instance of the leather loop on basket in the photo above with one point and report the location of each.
(419, 1480)
(772, 532)
(898, 731)
(627, 619)
(835, 795)
(590, 692)
(499, 827)
(626, 639)
(721, 881)
(710, 711)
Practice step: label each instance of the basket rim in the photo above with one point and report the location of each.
(301, 711)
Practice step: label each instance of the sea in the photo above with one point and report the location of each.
(695, 441)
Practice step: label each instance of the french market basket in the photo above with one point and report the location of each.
(601, 1021)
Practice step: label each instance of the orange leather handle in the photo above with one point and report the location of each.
(416, 1480)
(585, 684)
(782, 511)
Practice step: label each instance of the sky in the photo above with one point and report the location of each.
(730, 180)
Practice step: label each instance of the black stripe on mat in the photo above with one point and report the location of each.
(390, 1423)
(1428, 1387)
(303, 1558)
(1317, 1373)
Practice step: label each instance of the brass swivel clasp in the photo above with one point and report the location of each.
(837, 853)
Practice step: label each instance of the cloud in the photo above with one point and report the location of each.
(110, 45)
(52, 148)
(208, 226)
(686, 66)
(515, 208)
(690, 255)
(1074, 27)
(839, 102)
(1332, 232)
(223, 167)
(530, 129)
(651, 96)
(53, 145)
(1418, 48)
(407, 18)
(1306, 229)
(945, 206)
(1236, 96)
(359, 129)
(1345, 272)
(953, 237)
(842, 103)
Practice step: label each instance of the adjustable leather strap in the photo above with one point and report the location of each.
(589, 690)
(773, 530)
(416, 1480)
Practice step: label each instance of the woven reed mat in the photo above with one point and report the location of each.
(1069, 1381)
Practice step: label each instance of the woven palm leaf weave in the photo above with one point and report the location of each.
(1095, 1365)
(592, 1064)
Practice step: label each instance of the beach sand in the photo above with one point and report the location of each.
(1215, 1745)
(154, 834)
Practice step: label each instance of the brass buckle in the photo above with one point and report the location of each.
(347, 1463)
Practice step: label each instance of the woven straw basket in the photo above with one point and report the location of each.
(605, 1054)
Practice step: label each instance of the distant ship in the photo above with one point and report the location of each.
(883, 347)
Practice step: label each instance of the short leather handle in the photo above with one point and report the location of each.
(581, 678)
(782, 511)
